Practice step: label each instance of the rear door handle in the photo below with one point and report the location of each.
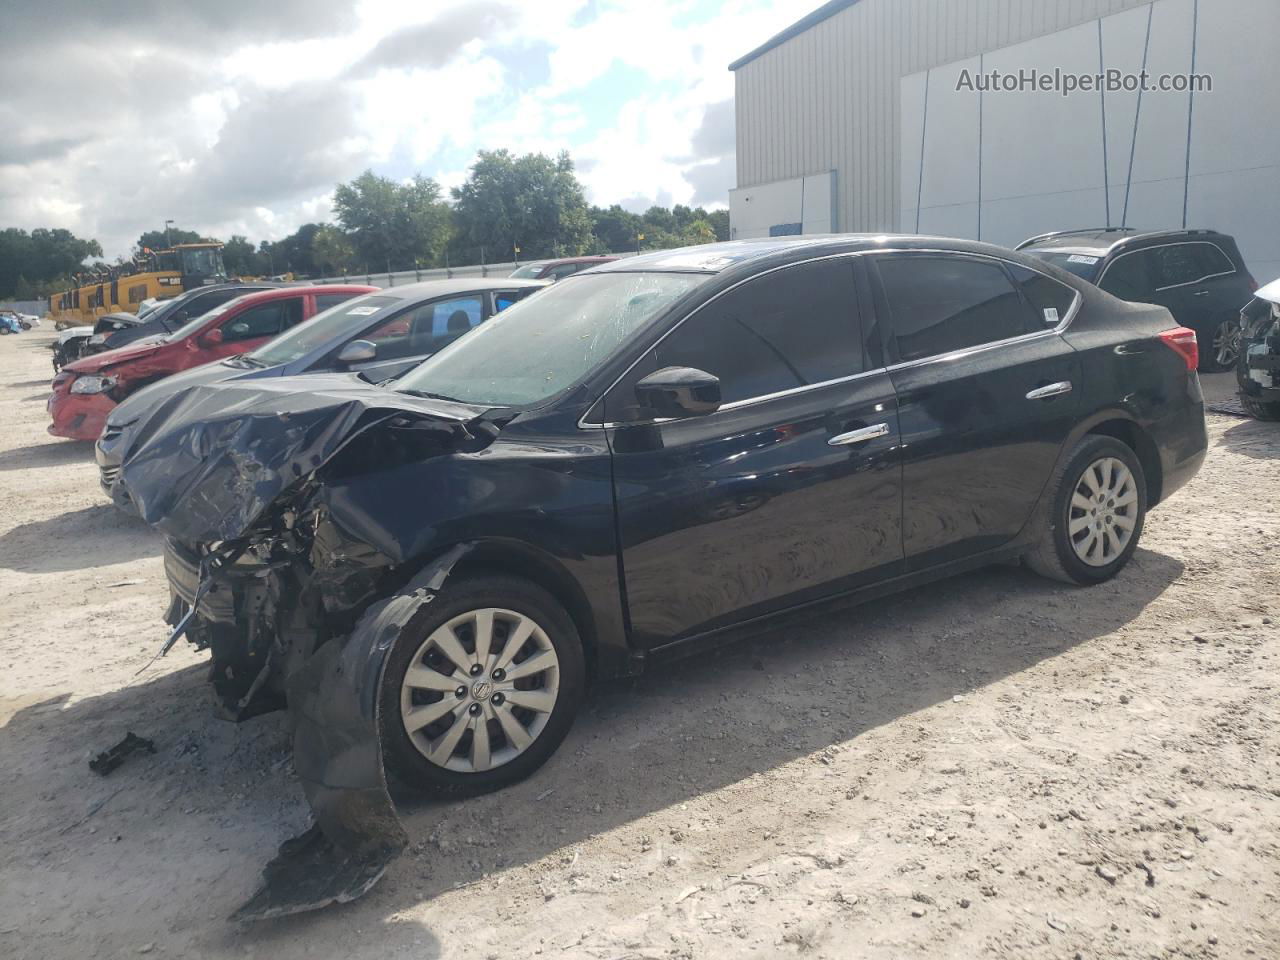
(857, 436)
(1201, 293)
(1052, 390)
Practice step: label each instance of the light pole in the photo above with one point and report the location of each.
(168, 236)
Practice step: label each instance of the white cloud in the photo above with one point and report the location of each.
(243, 123)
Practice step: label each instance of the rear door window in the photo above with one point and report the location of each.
(326, 300)
(941, 304)
(1176, 264)
(262, 321)
(426, 328)
(791, 328)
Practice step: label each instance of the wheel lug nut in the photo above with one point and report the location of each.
(460, 692)
(474, 709)
(499, 699)
(476, 669)
(499, 675)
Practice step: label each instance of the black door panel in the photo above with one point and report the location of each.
(976, 451)
(985, 400)
(755, 508)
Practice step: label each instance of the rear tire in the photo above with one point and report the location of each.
(1220, 350)
(1097, 514)
(514, 708)
(1260, 409)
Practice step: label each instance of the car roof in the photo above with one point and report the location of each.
(1100, 241)
(719, 257)
(425, 289)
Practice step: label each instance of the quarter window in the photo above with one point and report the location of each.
(943, 304)
(1050, 298)
(787, 329)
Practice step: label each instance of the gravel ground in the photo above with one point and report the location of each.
(993, 766)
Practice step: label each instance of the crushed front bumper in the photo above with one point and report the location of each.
(333, 700)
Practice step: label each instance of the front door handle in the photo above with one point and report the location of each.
(1052, 390)
(1201, 293)
(857, 436)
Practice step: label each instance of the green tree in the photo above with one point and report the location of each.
(240, 257)
(532, 202)
(719, 220)
(615, 229)
(331, 251)
(41, 256)
(160, 239)
(396, 226)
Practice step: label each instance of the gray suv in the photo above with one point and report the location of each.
(1197, 275)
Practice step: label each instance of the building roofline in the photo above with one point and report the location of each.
(824, 12)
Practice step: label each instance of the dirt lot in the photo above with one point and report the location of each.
(996, 766)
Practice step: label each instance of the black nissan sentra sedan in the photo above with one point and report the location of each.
(379, 336)
(631, 465)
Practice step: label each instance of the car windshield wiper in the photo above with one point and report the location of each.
(244, 360)
(432, 396)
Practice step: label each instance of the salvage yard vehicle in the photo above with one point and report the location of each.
(9, 323)
(379, 336)
(554, 270)
(169, 315)
(73, 342)
(630, 466)
(1258, 370)
(85, 391)
(1198, 275)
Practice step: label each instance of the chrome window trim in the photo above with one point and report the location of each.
(584, 424)
(1177, 243)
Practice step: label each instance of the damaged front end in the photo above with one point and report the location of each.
(1258, 371)
(279, 586)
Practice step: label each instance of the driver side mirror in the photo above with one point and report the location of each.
(679, 392)
(357, 351)
(212, 338)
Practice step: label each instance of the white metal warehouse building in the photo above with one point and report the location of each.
(851, 121)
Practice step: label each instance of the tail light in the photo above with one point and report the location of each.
(1183, 341)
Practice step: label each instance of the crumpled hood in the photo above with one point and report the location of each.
(136, 405)
(207, 462)
(110, 358)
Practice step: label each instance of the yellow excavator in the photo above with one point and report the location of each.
(152, 275)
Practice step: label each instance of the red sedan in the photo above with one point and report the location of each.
(84, 392)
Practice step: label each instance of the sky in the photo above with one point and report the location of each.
(240, 116)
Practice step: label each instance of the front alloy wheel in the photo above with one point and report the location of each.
(480, 690)
(481, 686)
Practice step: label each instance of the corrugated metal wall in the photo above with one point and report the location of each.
(828, 98)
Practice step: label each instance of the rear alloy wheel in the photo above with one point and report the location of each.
(1223, 349)
(480, 692)
(1099, 506)
(1260, 409)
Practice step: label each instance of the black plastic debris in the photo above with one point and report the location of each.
(108, 760)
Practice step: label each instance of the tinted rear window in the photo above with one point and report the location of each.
(943, 304)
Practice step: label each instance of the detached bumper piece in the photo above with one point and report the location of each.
(338, 755)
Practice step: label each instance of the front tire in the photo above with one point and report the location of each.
(1260, 409)
(481, 688)
(1098, 511)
